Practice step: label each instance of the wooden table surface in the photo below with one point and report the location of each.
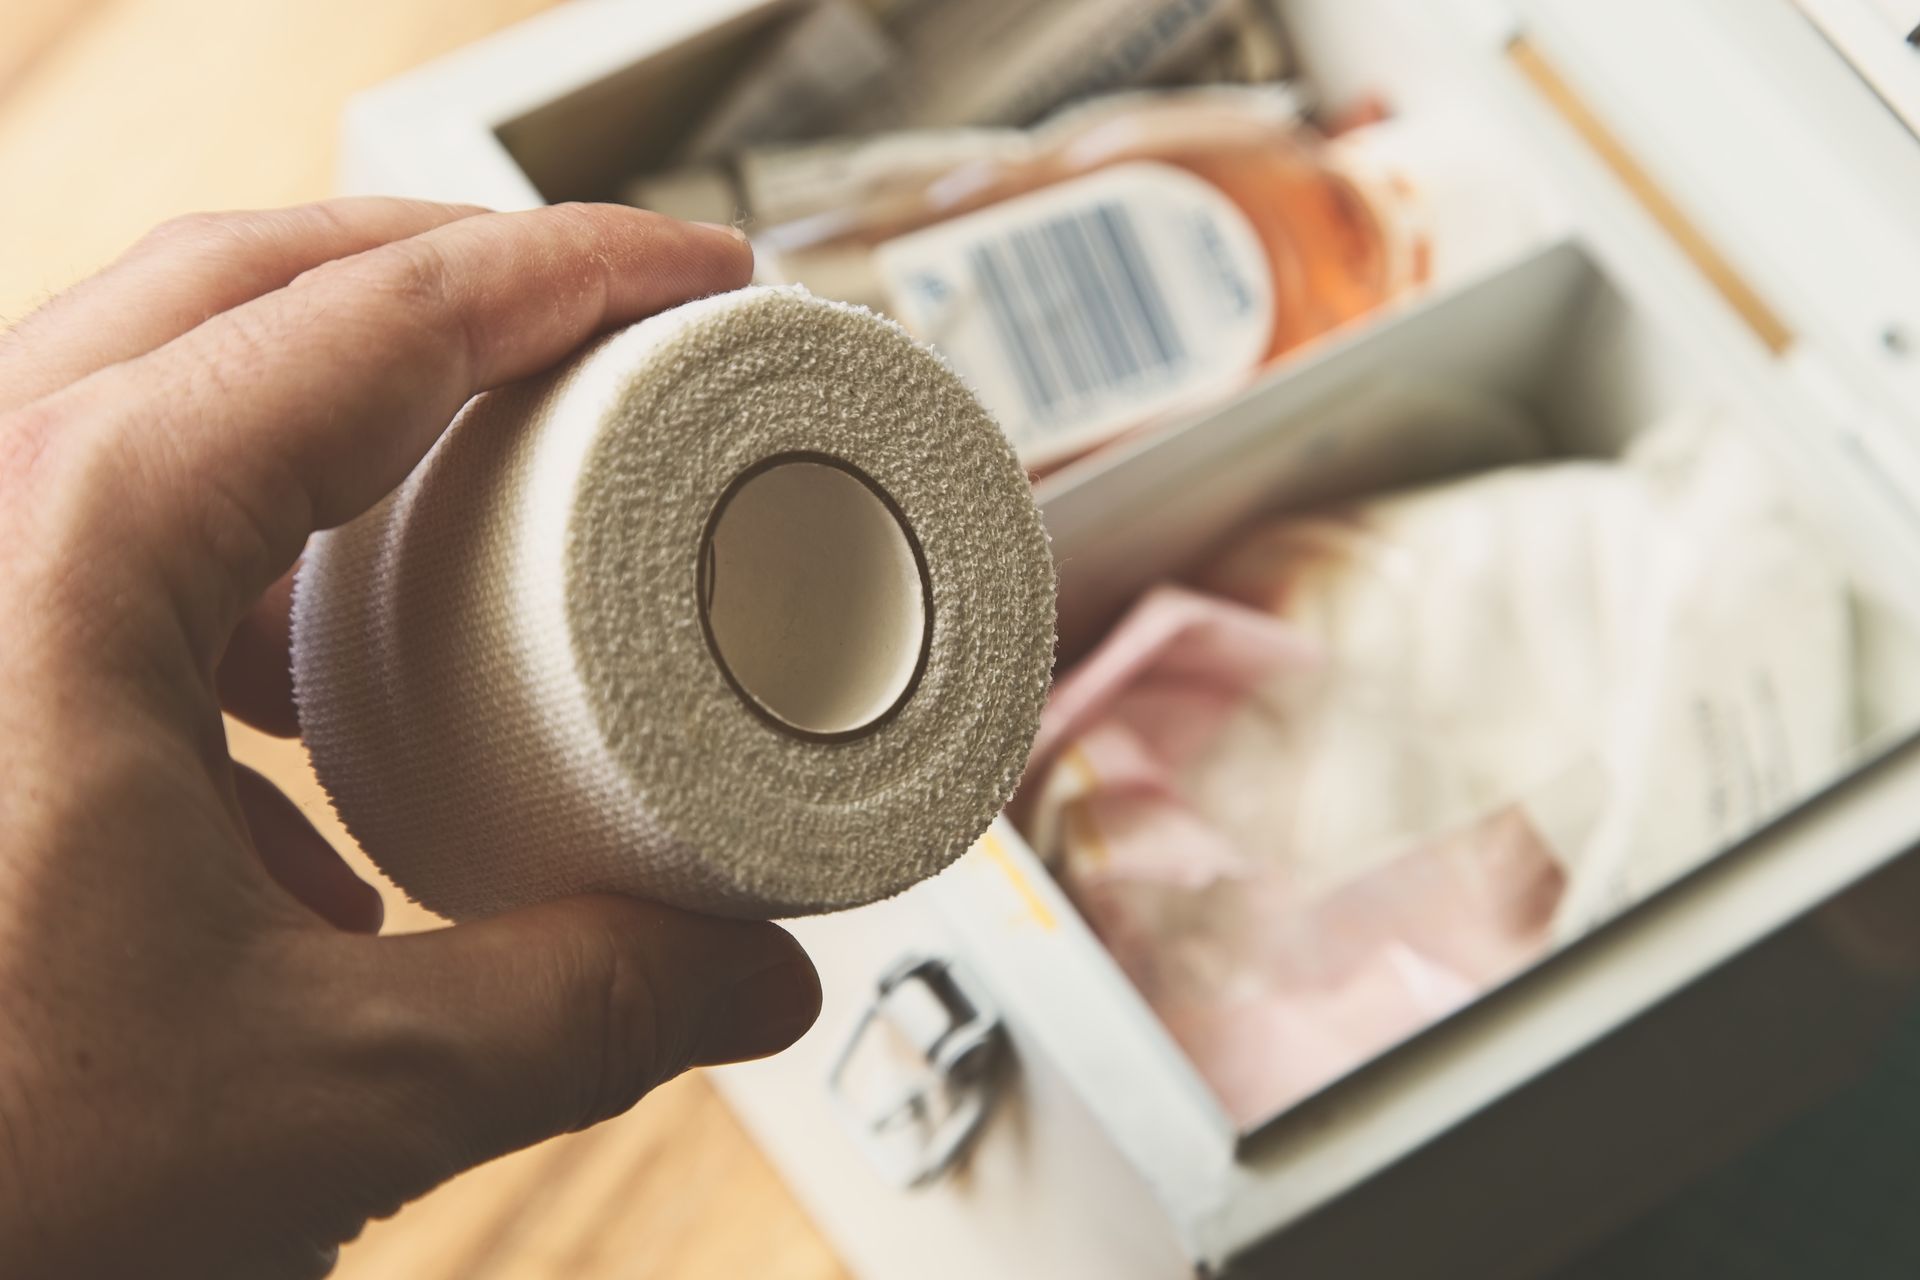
(116, 114)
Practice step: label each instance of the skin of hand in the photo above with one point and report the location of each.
(210, 1065)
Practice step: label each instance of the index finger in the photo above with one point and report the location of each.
(188, 269)
(216, 455)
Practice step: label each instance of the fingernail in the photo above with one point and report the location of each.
(727, 227)
(761, 1013)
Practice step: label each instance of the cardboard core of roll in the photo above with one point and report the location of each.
(814, 596)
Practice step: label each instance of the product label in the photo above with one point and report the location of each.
(1086, 308)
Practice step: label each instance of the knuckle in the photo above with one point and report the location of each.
(414, 278)
(629, 1048)
(322, 215)
(27, 435)
(54, 519)
(268, 234)
(239, 533)
(191, 229)
(249, 239)
(245, 340)
(230, 518)
(420, 277)
(412, 271)
(41, 515)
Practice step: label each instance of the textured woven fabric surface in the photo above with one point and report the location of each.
(501, 670)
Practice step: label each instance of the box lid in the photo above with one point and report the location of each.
(1797, 174)
(1774, 144)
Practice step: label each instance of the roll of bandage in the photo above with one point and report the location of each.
(746, 609)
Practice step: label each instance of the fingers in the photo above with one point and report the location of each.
(255, 678)
(555, 1017)
(300, 409)
(187, 271)
(300, 859)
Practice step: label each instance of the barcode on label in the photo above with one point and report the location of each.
(1076, 309)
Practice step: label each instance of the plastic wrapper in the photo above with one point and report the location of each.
(843, 68)
(1385, 756)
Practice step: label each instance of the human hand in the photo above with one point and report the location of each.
(208, 1064)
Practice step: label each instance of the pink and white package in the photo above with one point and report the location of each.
(1390, 755)
(1274, 975)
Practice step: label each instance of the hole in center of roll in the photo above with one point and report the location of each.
(814, 596)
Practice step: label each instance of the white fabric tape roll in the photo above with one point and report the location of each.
(747, 609)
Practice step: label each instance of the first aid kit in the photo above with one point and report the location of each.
(1726, 191)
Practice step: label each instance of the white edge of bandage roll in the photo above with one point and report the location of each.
(747, 608)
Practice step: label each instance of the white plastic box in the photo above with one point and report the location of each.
(1740, 230)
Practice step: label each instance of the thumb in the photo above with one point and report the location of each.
(558, 1016)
